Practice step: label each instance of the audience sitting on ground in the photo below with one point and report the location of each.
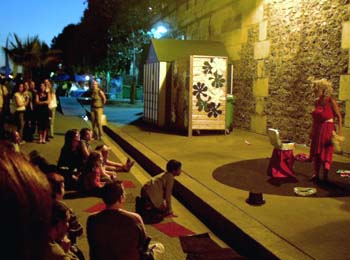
(85, 138)
(59, 244)
(71, 159)
(110, 165)
(75, 228)
(25, 198)
(93, 175)
(36, 159)
(16, 141)
(156, 193)
(115, 233)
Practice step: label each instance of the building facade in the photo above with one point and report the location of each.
(275, 47)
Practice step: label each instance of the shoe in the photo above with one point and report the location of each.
(315, 177)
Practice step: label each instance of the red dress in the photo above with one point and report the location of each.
(321, 142)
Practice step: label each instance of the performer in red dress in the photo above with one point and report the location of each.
(326, 109)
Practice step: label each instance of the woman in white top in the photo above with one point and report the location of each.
(52, 105)
(21, 101)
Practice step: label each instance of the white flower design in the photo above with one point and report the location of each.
(219, 65)
(216, 94)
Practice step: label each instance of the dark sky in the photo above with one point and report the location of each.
(45, 18)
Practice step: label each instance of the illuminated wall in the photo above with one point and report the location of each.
(274, 46)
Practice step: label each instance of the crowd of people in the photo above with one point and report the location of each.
(31, 109)
(39, 225)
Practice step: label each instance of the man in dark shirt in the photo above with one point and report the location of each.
(115, 233)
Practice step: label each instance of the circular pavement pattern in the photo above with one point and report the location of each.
(251, 175)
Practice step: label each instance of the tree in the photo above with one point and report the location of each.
(31, 54)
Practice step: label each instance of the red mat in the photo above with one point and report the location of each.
(96, 208)
(128, 184)
(172, 229)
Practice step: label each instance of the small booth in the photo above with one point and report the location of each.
(185, 84)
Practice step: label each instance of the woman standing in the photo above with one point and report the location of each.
(52, 105)
(20, 101)
(326, 109)
(42, 101)
(98, 99)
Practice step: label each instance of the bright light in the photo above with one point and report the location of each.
(159, 32)
(52, 74)
(87, 78)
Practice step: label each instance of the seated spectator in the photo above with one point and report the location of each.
(71, 160)
(93, 174)
(156, 193)
(111, 166)
(59, 245)
(75, 228)
(85, 138)
(16, 141)
(115, 233)
(26, 203)
(36, 159)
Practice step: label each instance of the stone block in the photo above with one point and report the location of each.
(261, 69)
(261, 87)
(345, 37)
(258, 124)
(261, 50)
(263, 31)
(260, 106)
(253, 16)
(347, 115)
(344, 89)
(346, 144)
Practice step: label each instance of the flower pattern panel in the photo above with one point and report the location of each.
(210, 90)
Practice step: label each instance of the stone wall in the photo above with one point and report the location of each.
(275, 46)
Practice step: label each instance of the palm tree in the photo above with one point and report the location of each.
(31, 54)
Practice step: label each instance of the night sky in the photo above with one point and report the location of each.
(45, 18)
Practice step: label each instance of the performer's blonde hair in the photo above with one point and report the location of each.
(324, 85)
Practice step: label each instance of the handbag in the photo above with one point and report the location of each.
(103, 119)
(336, 141)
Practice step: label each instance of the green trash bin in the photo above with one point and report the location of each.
(230, 100)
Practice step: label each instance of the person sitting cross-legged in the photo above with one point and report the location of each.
(115, 233)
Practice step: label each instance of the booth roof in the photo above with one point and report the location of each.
(169, 49)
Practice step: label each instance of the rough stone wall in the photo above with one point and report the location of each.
(275, 46)
(305, 40)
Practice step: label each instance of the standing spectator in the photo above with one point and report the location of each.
(115, 233)
(98, 100)
(25, 199)
(59, 245)
(42, 101)
(157, 192)
(20, 101)
(3, 103)
(324, 114)
(28, 133)
(52, 106)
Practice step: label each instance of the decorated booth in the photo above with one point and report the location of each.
(185, 84)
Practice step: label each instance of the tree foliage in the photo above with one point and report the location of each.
(108, 36)
(31, 53)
